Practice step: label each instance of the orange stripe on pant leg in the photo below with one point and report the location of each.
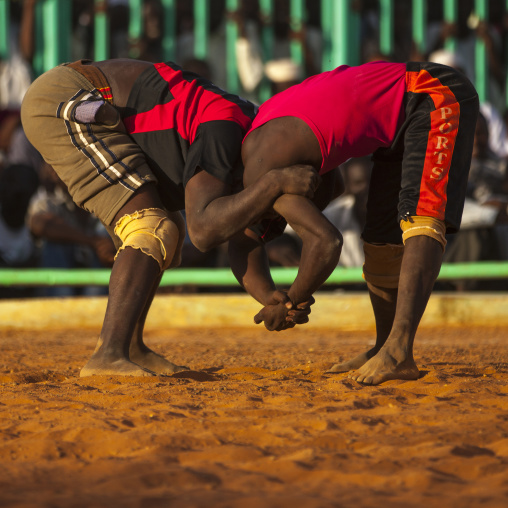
(444, 126)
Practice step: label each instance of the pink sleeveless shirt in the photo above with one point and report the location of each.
(352, 110)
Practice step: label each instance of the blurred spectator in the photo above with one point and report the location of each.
(118, 13)
(369, 12)
(447, 57)
(347, 212)
(9, 122)
(282, 74)
(466, 31)
(199, 67)
(485, 210)
(16, 71)
(18, 183)
(498, 133)
(252, 67)
(149, 46)
(15, 78)
(14, 145)
(488, 172)
(82, 45)
(309, 36)
(284, 250)
(185, 31)
(249, 59)
(69, 237)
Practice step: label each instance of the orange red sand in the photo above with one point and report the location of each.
(255, 424)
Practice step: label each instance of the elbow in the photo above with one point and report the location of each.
(331, 246)
(203, 240)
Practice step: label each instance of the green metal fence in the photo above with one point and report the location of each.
(339, 26)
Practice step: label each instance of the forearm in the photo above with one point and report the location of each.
(249, 264)
(313, 274)
(56, 229)
(321, 245)
(224, 216)
(215, 214)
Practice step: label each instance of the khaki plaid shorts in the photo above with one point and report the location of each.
(102, 167)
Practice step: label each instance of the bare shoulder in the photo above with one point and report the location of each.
(279, 143)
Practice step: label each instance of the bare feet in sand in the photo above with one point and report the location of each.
(98, 366)
(150, 360)
(383, 367)
(353, 364)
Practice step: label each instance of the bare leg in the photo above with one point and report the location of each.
(142, 355)
(384, 303)
(134, 279)
(420, 267)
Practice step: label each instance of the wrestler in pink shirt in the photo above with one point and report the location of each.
(352, 111)
(418, 122)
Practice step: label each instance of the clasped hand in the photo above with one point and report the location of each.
(282, 314)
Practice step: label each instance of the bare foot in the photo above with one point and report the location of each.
(150, 360)
(97, 366)
(384, 367)
(353, 364)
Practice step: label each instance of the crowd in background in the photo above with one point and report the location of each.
(41, 227)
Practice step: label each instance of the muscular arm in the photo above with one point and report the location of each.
(214, 216)
(56, 229)
(322, 244)
(264, 149)
(249, 264)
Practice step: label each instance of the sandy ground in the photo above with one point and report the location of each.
(256, 423)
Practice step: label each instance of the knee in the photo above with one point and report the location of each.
(177, 219)
(424, 226)
(154, 232)
(382, 264)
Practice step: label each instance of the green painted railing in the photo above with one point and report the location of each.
(386, 35)
(224, 276)
(419, 23)
(450, 8)
(201, 31)
(481, 61)
(101, 31)
(4, 30)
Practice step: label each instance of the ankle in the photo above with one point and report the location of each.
(399, 350)
(110, 352)
(138, 348)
